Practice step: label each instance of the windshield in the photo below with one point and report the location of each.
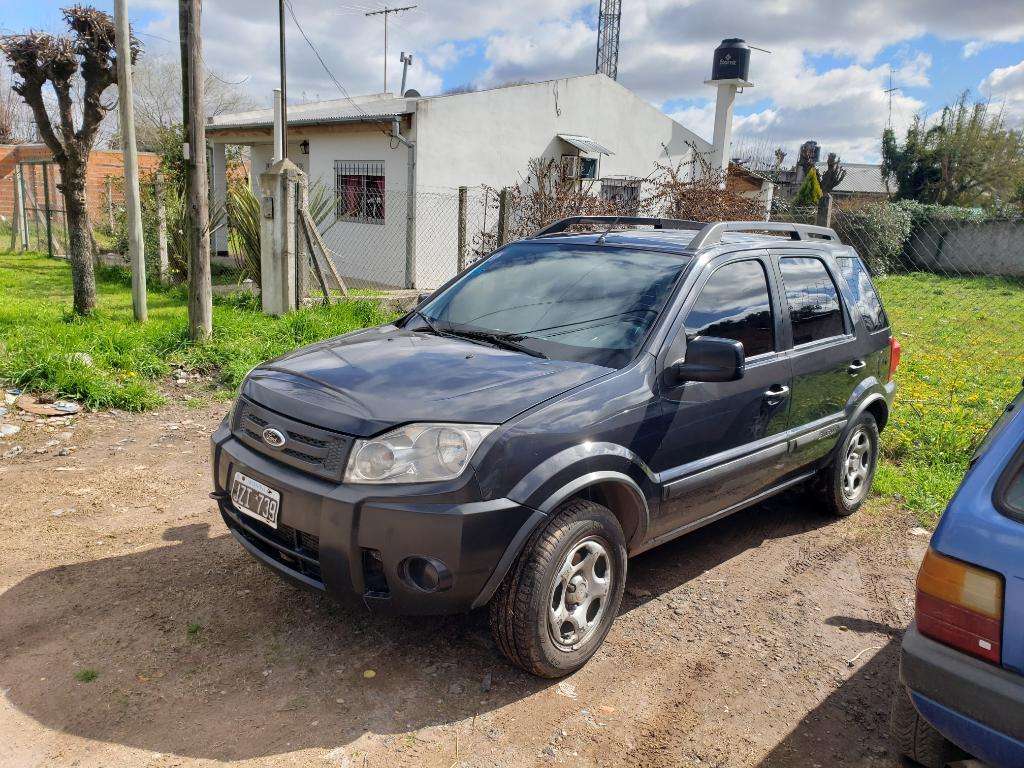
(567, 302)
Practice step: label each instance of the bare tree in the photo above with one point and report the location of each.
(39, 58)
(158, 98)
(12, 112)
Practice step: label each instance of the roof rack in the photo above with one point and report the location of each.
(563, 224)
(709, 233)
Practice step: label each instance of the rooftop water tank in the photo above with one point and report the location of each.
(732, 60)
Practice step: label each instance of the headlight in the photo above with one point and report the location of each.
(418, 453)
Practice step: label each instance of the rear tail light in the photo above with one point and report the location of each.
(895, 351)
(960, 605)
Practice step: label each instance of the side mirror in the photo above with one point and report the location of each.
(709, 358)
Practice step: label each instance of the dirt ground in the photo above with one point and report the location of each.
(767, 639)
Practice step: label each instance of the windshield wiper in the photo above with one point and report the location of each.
(506, 340)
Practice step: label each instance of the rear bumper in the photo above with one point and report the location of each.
(342, 541)
(977, 706)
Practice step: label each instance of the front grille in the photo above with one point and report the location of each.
(311, 449)
(292, 545)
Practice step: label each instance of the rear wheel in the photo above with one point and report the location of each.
(558, 601)
(844, 484)
(914, 738)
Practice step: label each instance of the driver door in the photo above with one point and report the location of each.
(724, 441)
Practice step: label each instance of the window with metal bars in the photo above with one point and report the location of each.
(359, 189)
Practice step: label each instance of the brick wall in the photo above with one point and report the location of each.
(103, 164)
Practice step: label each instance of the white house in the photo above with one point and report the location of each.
(466, 139)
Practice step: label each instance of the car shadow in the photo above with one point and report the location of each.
(851, 726)
(193, 648)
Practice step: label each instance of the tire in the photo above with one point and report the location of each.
(833, 486)
(576, 561)
(914, 738)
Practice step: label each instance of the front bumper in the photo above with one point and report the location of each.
(342, 539)
(974, 704)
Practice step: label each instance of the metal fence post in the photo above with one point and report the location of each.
(49, 213)
(161, 228)
(110, 203)
(503, 198)
(463, 215)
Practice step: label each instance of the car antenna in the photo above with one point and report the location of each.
(600, 240)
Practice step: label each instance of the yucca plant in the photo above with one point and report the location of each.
(244, 220)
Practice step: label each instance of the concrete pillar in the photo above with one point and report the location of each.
(278, 151)
(721, 143)
(219, 172)
(278, 237)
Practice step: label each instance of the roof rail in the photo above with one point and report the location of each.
(711, 234)
(564, 224)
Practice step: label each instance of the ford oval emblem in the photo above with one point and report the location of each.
(274, 437)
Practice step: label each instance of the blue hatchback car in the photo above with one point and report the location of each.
(962, 660)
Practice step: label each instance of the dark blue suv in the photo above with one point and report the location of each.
(564, 403)
(962, 660)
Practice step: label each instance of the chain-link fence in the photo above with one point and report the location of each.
(38, 221)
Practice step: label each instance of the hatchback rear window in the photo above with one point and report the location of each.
(864, 295)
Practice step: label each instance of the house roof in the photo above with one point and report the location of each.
(861, 178)
(377, 108)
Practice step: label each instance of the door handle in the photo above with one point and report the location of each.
(776, 393)
(856, 365)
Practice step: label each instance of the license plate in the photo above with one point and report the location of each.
(253, 498)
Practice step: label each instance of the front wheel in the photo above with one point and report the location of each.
(844, 484)
(558, 601)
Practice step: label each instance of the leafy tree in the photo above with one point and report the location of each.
(968, 157)
(88, 56)
(810, 191)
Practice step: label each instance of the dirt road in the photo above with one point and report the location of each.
(767, 639)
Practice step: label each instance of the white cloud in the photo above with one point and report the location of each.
(1005, 87)
(974, 47)
(666, 48)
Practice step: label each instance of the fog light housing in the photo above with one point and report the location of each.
(427, 574)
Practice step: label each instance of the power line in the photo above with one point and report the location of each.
(323, 64)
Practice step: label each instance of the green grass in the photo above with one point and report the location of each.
(193, 630)
(86, 675)
(121, 360)
(963, 359)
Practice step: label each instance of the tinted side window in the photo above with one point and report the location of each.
(734, 304)
(864, 295)
(814, 307)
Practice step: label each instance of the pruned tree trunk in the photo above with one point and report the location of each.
(83, 279)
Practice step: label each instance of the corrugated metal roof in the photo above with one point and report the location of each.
(334, 111)
(585, 144)
(861, 178)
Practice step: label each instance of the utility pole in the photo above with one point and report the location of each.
(284, 82)
(126, 109)
(200, 299)
(385, 11)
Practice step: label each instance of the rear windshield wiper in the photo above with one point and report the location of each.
(506, 340)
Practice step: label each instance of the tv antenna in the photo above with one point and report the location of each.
(385, 12)
(889, 92)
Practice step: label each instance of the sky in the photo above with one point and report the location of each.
(825, 78)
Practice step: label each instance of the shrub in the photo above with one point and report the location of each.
(810, 191)
(878, 232)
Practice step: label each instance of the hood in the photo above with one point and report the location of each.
(366, 382)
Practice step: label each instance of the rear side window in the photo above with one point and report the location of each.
(864, 295)
(1013, 496)
(814, 308)
(734, 304)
